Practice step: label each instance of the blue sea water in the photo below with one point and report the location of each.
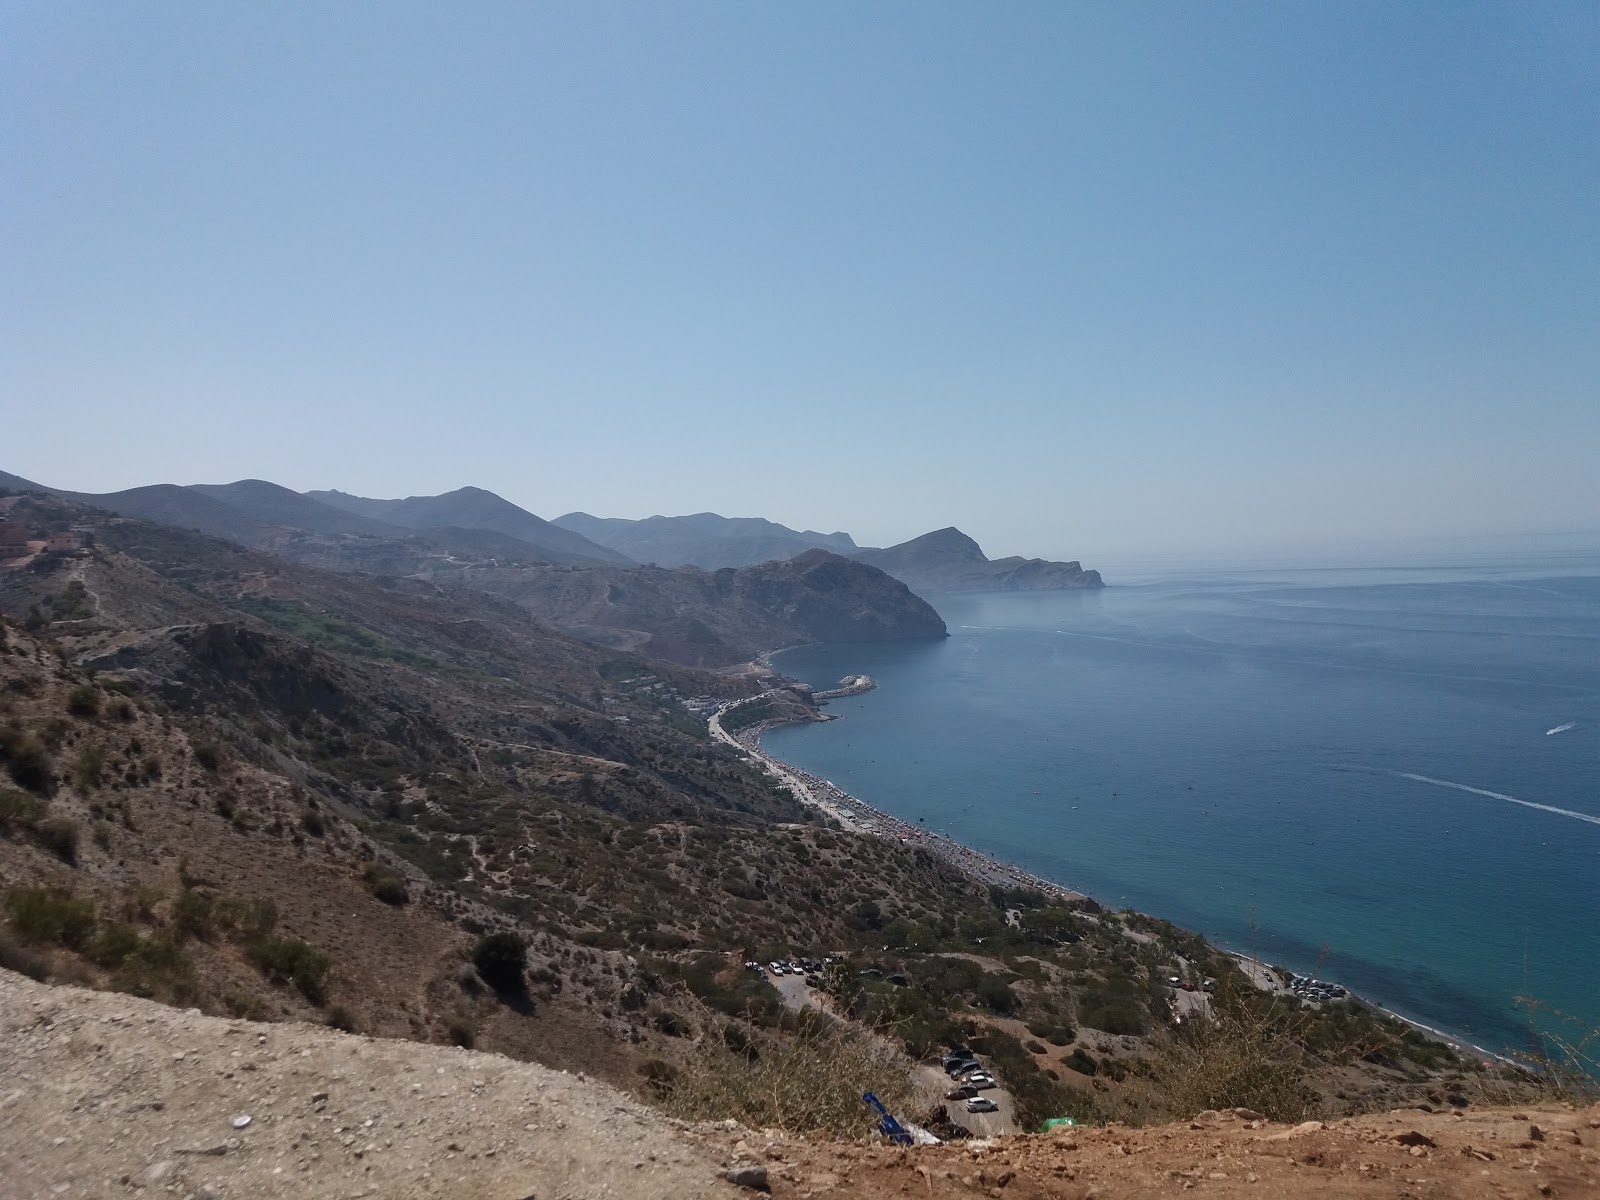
(1279, 760)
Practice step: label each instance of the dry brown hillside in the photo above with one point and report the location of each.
(104, 1095)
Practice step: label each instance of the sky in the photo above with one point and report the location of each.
(1088, 280)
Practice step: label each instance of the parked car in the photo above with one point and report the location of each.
(982, 1082)
(964, 1092)
(955, 1070)
(982, 1104)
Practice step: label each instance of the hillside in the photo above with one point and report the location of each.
(333, 1116)
(715, 618)
(474, 508)
(947, 560)
(704, 540)
(687, 616)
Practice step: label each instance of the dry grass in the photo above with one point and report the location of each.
(809, 1083)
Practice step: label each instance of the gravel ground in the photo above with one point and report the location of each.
(105, 1095)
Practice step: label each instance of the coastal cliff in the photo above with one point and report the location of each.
(947, 560)
(715, 618)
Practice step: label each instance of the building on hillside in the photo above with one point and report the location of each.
(13, 539)
(64, 542)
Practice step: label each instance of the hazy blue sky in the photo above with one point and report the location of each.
(1084, 279)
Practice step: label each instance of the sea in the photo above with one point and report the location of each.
(1384, 776)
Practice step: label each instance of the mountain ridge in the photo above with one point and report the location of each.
(704, 539)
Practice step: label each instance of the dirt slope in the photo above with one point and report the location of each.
(105, 1095)
(1484, 1153)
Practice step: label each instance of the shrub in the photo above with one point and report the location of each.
(463, 1033)
(385, 884)
(59, 835)
(290, 960)
(27, 761)
(158, 970)
(46, 916)
(84, 701)
(1081, 1062)
(113, 945)
(192, 915)
(18, 958)
(88, 768)
(501, 959)
(311, 821)
(995, 994)
(208, 756)
(341, 1018)
(19, 812)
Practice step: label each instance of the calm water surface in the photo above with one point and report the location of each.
(1297, 746)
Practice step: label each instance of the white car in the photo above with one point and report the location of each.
(982, 1104)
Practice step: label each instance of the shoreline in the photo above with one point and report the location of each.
(858, 816)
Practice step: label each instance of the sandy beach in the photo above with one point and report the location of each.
(856, 814)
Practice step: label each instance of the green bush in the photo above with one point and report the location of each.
(27, 761)
(51, 916)
(385, 884)
(19, 811)
(501, 959)
(59, 835)
(84, 701)
(192, 915)
(114, 943)
(995, 993)
(1081, 1062)
(290, 960)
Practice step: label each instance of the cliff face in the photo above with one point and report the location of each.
(947, 560)
(715, 618)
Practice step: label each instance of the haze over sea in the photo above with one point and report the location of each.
(1366, 760)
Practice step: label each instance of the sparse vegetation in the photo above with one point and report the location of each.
(808, 1082)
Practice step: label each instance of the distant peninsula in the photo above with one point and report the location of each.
(947, 560)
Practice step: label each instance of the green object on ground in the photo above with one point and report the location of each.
(1054, 1121)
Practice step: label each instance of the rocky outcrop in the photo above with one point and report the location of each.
(947, 560)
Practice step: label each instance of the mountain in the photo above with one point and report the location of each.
(471, 525)
(475, 508)
(714, 618)
(947, 560)
(703, 540)
(274, 504)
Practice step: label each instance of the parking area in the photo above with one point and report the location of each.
(980, 1124)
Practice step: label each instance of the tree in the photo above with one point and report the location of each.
(501, 959)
